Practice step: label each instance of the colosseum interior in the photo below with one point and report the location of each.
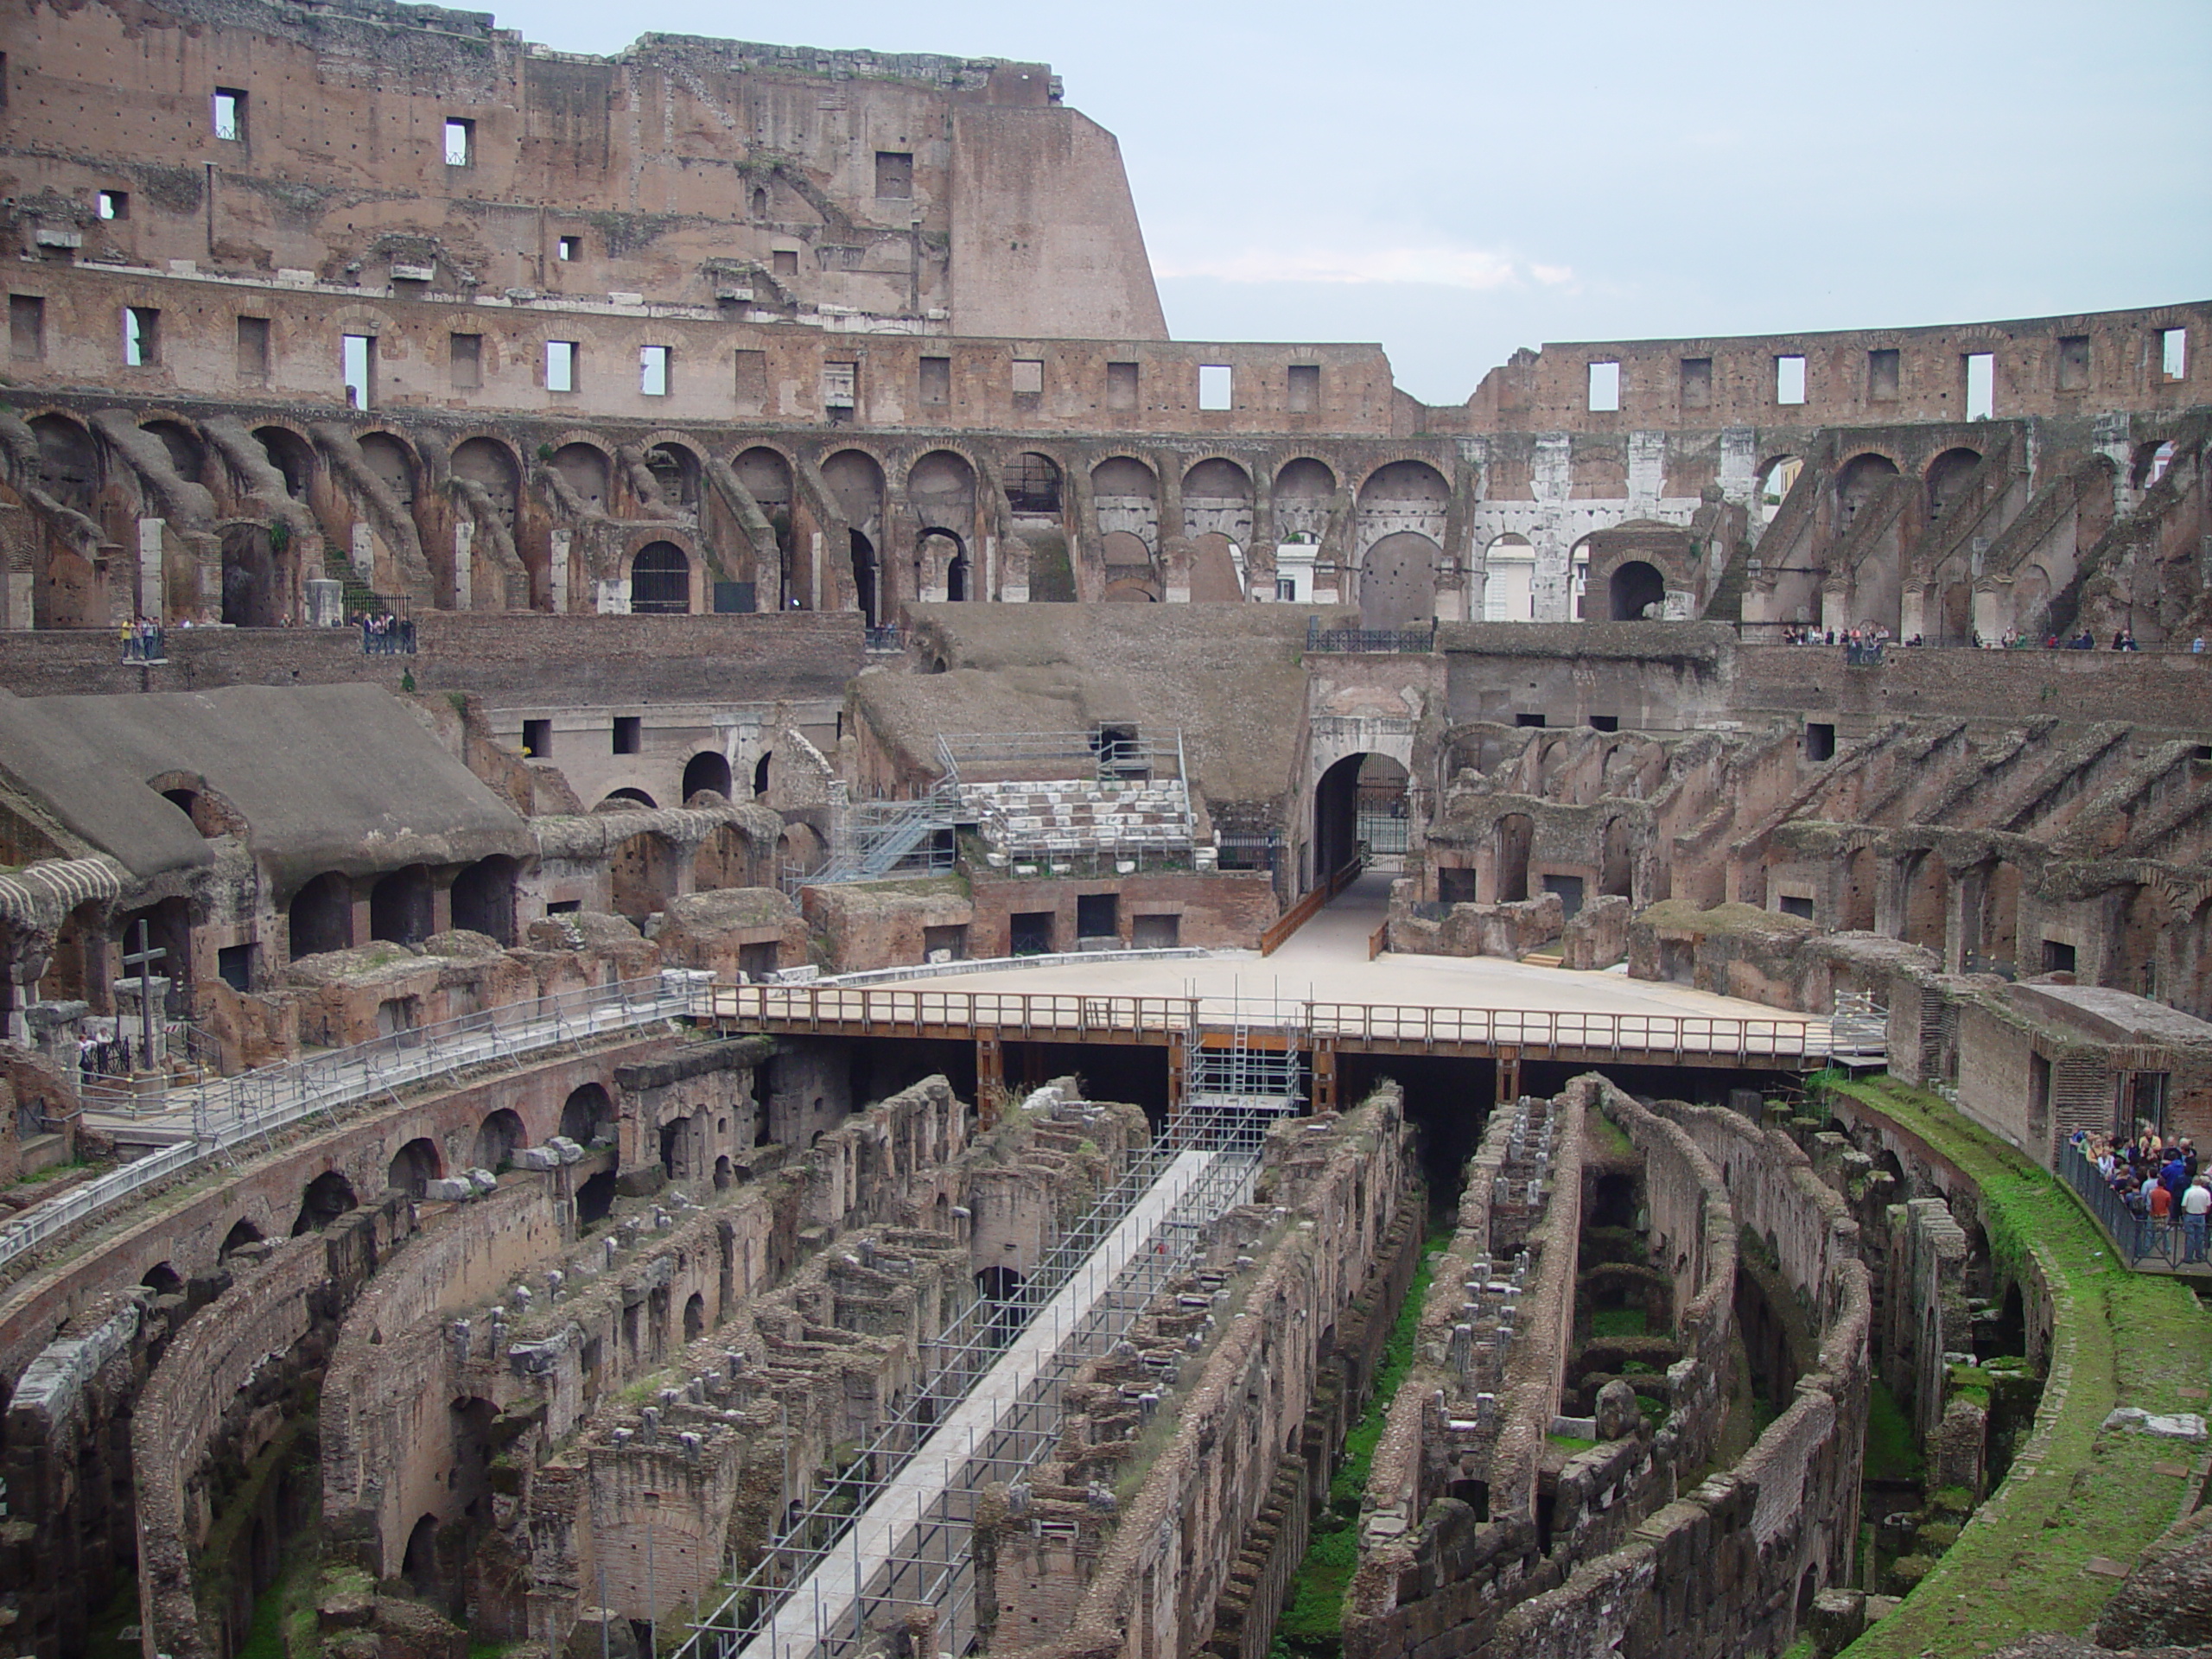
(733, 926)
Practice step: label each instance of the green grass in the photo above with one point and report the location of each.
(2075, 1491)
(1311, 1626)
(1892, 1453)
(1617, 1322)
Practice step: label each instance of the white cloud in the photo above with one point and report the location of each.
(1466, 268)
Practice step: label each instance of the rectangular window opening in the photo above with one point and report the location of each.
(460, 142)
(752, 383)
(1605, 722)
(1790, 379)
(1529, 720)
(1121, 386)
(935, 382)
(1820, 740)
(1981, 385)
(357, 356)
(1305, 388)
(1155, 932)
(1217, 386)
(253, 348)
(1605, 386)
(947, 942)
(26, 328)
(1792, 904)
(841, 390)
(1286, 589)
(537, 739)
(2173, 353)
(560, 366)
(784, 261)
(1882, 375)
(1028, 375)
(229, 115)
(894, 176)
(465, 359)
(2073, 362)
(142, 336)
(113, 205)
(1697, 383)
(629, 733)
(652, 371)
(567, 248)
(2058, 956)
(234, 966)
(1097, 916)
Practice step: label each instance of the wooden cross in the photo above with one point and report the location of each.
(143, 958)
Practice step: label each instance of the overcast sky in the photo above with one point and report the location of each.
(1458, 179)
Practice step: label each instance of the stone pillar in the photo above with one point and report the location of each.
(153, 589)
(556, 573)
(326, 603)
(464, 542)
(363, 555)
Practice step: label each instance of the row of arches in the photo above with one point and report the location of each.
(402, 905)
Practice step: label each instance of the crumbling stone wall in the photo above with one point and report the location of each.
(1075, 1561)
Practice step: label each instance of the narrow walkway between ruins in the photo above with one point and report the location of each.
(989, 1436)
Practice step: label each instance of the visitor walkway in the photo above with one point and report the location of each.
(1321, 994)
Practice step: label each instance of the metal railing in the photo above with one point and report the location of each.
(1272, 939)
(883, 638)
(2138, 1239)
(892, 1531)
(911, 1010)
(234, 1111)
(1418, 641)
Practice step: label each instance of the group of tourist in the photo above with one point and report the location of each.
(2158, 1180)
(386, 635)
(104, 1055)
(142, 641)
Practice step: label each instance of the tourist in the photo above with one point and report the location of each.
(2195, 1202)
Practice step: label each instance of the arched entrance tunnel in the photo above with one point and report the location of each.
(1361, 801)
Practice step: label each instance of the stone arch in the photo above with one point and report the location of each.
(163, 1279)
(1125, 500)
(1776, 476)
(402, 907)
(1926, 894)
(321, 916)
(187, 454)
(490, 464)
(292, 456)
(1130, 590)
(941, 490)
(1398, 578)
(1617, 859)
(1217, 501)
(941, 566)
(484, 898)
(499, 1137)
(1636, 592)
(585, 468)
(418, 1563)
(1033, 485)
(414, 1166)
(587, 1114)
(395, 465)
(766, 472)
(694, 1317)
(1860, 893)
(1512, 840)
(660, 580)
(250, 579)
(856, 481)
(68, 461)
(1857, 481)
(1360, 801)
(1947, 479)
(242, 1232)
(726, 859)
(626, 799)
(707, 772)
(868, 579)
(1301, 495)
(675, 470)
(325, 1198)
(760, 773)
(2151, 462)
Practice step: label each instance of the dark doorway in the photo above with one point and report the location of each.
(1030, 933)
(322, 916)
(707, 772)
(400, 907)
(1638, 587)
(660, 580)
(329, 1196)
(484, 899)
(864, 584)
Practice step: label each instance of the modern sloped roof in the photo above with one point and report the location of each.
(341, 777)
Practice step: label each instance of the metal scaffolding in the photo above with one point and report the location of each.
(892, 1534)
